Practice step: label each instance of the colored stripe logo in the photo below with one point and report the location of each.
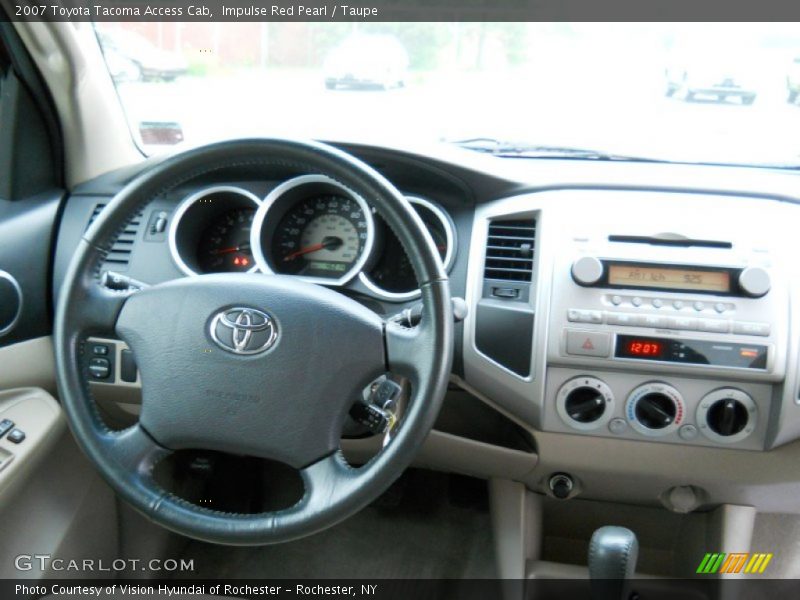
(735, 562)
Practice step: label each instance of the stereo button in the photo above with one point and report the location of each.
(625, 319)
(684, 323)
(653, 321)
(714, 326)
(749, 328)
(588, 343)
(575, 315)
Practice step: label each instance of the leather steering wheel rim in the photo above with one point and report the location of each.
(333, 489)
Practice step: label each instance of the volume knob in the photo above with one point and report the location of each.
(587, 270)
(754, 281)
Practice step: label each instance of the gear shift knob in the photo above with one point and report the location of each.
(613, 552)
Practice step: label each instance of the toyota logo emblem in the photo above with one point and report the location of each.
(243, 330)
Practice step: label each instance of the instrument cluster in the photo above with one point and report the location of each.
(310, 227)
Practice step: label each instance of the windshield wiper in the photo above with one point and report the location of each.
(506, 148)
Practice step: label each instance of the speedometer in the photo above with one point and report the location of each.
(314, 228)
(320, 236)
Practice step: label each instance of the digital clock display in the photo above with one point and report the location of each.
(645, 348)
(672, 278)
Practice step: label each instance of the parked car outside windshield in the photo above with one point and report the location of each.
(647, 90)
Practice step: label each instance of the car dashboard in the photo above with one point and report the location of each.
(616, 309)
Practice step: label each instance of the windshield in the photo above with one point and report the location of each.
(711, 93)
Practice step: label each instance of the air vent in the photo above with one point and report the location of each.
(120, 254)
(510, 250)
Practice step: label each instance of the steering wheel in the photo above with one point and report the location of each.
(315, 351)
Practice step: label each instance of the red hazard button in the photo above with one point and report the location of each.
(588, 343)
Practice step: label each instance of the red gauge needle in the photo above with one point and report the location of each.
(242, 248)
(329, 243)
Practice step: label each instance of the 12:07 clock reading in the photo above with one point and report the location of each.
(669, 278)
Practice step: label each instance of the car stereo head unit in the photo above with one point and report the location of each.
(750, 282)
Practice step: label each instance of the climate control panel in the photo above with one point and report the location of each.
(655, 409)
(678, 410)
(585, 403)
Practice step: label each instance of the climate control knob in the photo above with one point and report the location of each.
(587, 270)
(727, 415)
(585, 403)
(655, 409)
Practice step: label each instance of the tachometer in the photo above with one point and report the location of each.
(225, 245)
(314, 228)
(210, 231)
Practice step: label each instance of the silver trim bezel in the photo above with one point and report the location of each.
(585, 381)
(659, 387)
(274, 196)
(449, 257)
(185, 205)
(15, 284)
(701, 414)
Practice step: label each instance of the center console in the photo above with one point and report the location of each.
(651, 316)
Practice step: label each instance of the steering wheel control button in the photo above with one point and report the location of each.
(16, 436)
(5, 426)
(99, 368)
(100, 350)
(588, 343)
(587, 270)
(617, 426)
(655, 409)
(727, 415)
(687, 432)
(127, 367)
(243, 330)
(585, 403)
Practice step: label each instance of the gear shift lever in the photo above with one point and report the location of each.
(613, 552)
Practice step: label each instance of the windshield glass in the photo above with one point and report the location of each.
(717, 93)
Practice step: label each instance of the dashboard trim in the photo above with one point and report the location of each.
(449, 257)
(276, 193)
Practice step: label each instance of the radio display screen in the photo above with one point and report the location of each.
(673, 278)
(648, 348)
(696, 352)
